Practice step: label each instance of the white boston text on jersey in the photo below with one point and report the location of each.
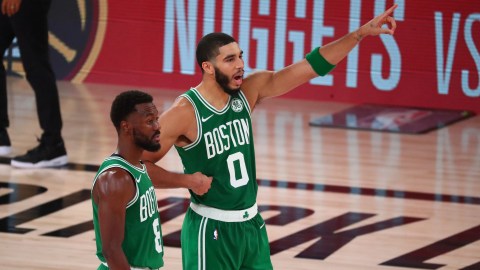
(148, 204)
(231, 134)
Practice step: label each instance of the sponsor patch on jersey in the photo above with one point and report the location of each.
(237, 105)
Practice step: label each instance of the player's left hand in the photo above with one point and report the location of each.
(375, 26)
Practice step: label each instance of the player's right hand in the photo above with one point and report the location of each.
(200, 183)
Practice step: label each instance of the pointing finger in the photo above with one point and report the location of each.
(383, 17)
(390, 10)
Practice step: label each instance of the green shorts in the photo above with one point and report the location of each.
(212, 244)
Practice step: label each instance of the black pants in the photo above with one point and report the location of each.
(30, 26)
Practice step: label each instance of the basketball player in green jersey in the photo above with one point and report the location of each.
(127, 227)
(211, 129)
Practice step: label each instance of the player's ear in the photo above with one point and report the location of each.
(125, 126)
(208, 67)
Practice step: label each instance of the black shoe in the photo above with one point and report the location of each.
(5, 146)
(42, 156)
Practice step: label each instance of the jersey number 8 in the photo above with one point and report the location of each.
(158, 236)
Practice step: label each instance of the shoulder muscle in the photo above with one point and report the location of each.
(114, 184)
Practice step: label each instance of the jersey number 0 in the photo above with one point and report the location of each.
(233, 160)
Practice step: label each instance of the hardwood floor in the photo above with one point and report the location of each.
(331, 198)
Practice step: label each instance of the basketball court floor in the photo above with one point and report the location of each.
(332, 198)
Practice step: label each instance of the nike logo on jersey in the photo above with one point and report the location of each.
(138, 179)
(205, 119)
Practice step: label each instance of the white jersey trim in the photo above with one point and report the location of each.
(199, 125)
(133, 268)
(142, 170)
(210, 107)
(244, 99)
(135, 198)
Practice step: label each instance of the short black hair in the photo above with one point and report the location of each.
(208, 46)
(124, 104)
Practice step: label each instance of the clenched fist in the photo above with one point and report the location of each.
(200, 183)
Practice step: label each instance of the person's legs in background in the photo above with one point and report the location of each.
(6, 39)
(30, 26)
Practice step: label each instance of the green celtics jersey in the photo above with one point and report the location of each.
(223, 149)
(142, 243)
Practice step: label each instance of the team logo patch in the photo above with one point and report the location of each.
(237, 105)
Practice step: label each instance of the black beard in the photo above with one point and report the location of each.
(223, 81)
(145, 143)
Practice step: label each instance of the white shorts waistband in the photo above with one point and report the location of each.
(225, 215)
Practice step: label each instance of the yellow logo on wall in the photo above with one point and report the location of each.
(76, 33)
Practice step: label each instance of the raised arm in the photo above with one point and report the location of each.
(319, 62)
(337, 50)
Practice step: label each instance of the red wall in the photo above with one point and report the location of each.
(433, 59)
